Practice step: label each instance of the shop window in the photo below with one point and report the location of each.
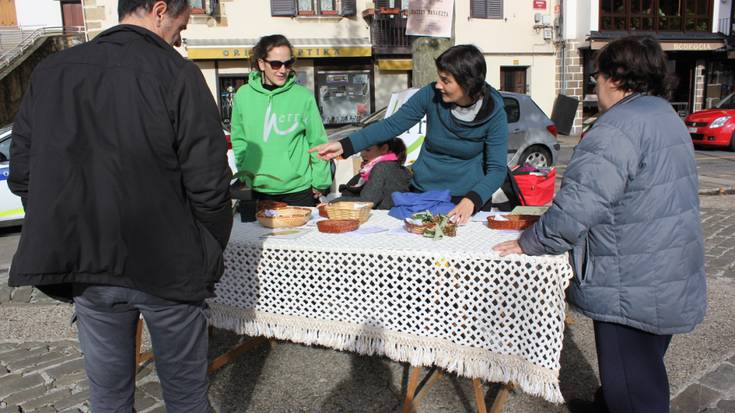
(344, 95)
(228, 86)
(656, 15)
(486, 9)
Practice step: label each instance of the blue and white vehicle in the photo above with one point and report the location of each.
(11, 209)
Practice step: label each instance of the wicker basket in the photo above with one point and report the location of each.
(418, 229)
(268, 204)
(322, 210)
(336, 226)
(285, 217)
(350, 210)
(513, 222)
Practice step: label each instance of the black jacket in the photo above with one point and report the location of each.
(385, 178)
(120, 160)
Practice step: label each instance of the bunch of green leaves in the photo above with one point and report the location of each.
(437, 232)
(425, 217)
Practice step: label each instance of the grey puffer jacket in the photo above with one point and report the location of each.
(628, 209)
(385, 178)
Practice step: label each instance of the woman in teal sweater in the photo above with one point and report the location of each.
(274, 122)
(466, 142)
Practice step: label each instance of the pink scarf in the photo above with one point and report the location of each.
(365, 170)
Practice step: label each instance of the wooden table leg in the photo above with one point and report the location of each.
(140, 357)
(235, 352)
(479, 396)
(501, 398)
(413, 382)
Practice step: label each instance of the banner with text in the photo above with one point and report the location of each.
(414, 137)
(430, 18)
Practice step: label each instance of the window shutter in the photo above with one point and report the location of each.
(349, 7)
(283, 7)
(382, 3)
(478, 9)
(494, 9)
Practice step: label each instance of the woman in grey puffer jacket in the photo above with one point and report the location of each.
(628, 210)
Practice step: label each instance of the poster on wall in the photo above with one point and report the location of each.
(539, 4)
(430, 18)
(414, 137)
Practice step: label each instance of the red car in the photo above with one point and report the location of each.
(714, 127)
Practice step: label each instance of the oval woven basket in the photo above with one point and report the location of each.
(417, 229)
(337, 226)
(285, 217)
(350, 210)
(262, 204)
(513, 222)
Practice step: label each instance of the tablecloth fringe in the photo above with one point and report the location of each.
(488, 366)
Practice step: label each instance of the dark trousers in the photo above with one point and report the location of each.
(107, 317)
(303, 198)
(632, 369)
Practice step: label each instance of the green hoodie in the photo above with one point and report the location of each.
(272, 131)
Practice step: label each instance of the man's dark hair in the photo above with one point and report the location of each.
(264, 45)
(466, 63)
(125, 7)
(637, 64)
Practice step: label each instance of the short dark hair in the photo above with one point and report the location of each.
(125, 7)
(398, 147)
(637, 64)
(264, 45)
(467, 64)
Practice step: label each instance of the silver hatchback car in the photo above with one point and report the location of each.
(532, 136)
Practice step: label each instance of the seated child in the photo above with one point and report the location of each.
(382, 173)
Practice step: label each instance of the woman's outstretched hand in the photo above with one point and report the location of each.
(327, 151)
(462, 212)
(508, 247)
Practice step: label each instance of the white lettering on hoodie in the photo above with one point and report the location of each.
(270, 123)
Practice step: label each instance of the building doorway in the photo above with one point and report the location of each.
(513, 79)
(72, 14)
(228, 86)
(8, 16)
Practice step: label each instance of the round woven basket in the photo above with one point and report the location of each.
(268, 204)
(349, 210)
(336, 226)
(285, 217)
(513, 222)
(417, 229)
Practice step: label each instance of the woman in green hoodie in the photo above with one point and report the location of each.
(274, 123)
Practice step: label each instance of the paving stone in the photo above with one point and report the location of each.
(727, 405)
(52, 363)
(694, 399)
(72, 401)
(159, 409)
(21, 294)
(5, 294)
(5, 347)
(73, 378)
(24, 382)
(45, 400)
(44, 409)
(70, 410)
(24, 355)
(732, 360)
(153, 388)
(35, 361)
(66, 368)
(144, 402)
(18, 354)
(19, 397)
(722, 379)
(11, 409)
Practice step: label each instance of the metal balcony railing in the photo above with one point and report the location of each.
(15, 41)
(388, 33)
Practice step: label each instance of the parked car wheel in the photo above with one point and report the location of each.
(537, 156)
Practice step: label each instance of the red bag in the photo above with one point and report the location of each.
(536, 190)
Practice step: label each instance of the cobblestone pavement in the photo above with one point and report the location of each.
(46, 374)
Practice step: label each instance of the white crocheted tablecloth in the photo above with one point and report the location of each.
(452, 303)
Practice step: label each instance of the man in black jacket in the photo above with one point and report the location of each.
(120, 161)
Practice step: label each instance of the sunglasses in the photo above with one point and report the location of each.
(276, 64)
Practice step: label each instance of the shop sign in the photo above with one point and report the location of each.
(414, 137)
(205, 53)
(430, 18)
(539, 4)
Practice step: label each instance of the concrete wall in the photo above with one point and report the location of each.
(38, 12)
(386, 83)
